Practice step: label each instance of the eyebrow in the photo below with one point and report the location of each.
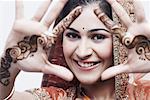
(72, 29)
(98, 29)
(92, 30)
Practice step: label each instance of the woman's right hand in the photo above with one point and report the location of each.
(27, 43)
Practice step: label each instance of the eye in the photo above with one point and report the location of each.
(98, 37)
(72, 35)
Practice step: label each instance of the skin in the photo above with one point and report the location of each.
(134, 29)
(85, 44)
(37, 25)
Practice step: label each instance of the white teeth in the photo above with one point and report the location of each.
(85, 64)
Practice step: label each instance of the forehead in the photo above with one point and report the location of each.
(87, 19)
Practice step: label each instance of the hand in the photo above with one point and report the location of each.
(136, 39)
(27, 44)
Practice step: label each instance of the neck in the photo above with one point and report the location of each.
(101, 89)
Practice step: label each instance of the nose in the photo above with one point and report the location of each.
(83, 50)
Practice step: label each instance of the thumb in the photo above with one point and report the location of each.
(113, 71)
(59, 71)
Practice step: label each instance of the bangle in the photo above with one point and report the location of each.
(10, 95)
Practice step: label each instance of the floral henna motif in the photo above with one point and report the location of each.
(141, 44)
(19, 52)
(24, 48)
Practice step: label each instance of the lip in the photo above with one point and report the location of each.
(87, 68)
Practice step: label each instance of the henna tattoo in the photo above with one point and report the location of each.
(19, 52)
(5, 65)
(142, 45)
(25, 47)
(65, 23)
(104, 18)
(114, 28)
(29, 45)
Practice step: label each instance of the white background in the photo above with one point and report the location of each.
(7, 13)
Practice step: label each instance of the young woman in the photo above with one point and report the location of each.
(87, 50)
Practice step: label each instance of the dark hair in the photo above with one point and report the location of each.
(71, 4)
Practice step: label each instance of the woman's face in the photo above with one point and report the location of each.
(87, 47)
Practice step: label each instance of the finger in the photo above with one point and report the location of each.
(54, 10)
(62, 25)
(65, 23)
(139, 76)
(139, 11)
(59, 71)
(127, 40)
(113, 71)
(19, 9)
(104, 18)
(114, 28)
(131, 41)
(41, 10)
(29, 27)
(120, 11)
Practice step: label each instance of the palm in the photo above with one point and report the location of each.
(136, 39)
(139, 48)
(27, 44)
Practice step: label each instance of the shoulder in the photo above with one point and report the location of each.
(48, 93)
(139, 89)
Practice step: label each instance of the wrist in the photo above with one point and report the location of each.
(8, 69)
(10, 95)
(8, 73)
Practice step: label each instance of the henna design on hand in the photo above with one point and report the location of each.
(141, 44)
(23, 49)
(5, 65)
(114, 28)
(30, 45)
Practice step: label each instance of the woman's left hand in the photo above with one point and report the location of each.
(136, 39)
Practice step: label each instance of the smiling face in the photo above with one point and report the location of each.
(87, 46)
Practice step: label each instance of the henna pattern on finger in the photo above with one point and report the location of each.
(63, 25)
(141, 44)
(114, 28)
(104, 18)
(66, 22)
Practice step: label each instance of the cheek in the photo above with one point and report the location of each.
(105, 49)
(68, 48)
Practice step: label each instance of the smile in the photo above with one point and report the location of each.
(87, 65)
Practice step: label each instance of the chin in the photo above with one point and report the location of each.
(88, 81)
